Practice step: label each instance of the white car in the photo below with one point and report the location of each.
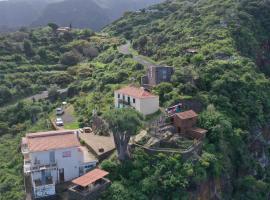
(59, 122)
(59, 111)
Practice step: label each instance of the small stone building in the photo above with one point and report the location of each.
(157, 74)
(185, 123)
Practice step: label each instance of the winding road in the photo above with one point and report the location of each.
(125, 49)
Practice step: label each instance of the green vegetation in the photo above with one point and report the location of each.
(14, 122)
(220, 51)
(35, 60)
(123, 123)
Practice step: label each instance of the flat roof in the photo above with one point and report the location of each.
(90, 177)
(97, 142)
(44, 141)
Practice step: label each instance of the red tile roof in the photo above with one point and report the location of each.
(187, 114)
(135, 92)
(44, 141)
(90, 177)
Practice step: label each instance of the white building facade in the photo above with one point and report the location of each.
(137, 98)
(51, 158)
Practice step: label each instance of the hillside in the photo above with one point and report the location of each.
(79, 13)
(82, 14)
(220, 50)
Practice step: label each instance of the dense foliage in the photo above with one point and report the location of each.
(34, 60)
(220, 51)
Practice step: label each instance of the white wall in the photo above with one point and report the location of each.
(149, 105)
(135, 105)
(69, 164)
(146, 106)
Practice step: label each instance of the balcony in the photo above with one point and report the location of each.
(24, 150)
(38, 167)
(48, 181)
(124, 102)
(27, 166)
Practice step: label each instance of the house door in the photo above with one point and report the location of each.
(43, 177)
(81, 171)
(61, 175)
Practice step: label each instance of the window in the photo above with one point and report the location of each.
(118, 96)
(151, 72)
(128, 99)
(66, 154)
(36, 162)
(164, 74)
(134, 101)
(123, 97)
(52, 157)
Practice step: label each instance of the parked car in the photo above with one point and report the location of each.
(59, 111)
(59, 122)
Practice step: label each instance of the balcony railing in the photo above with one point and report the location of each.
(24, 150)
(124, 102)
(38, 167)
(28, 167)
(48, 181)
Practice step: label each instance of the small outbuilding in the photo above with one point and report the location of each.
(186, 122)
(156, 75)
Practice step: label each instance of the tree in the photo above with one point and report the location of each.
(123, 123)
(70, 58)
(28, 49)
(5, 95)
(53, 93)
(53, 26)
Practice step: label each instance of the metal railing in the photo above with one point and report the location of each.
(28, 167)
(125, 102)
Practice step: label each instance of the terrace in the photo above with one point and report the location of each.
(100, 146)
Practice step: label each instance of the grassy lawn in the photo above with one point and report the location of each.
(73, 125)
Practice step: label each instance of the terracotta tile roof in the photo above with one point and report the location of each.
(187, 114)
(135, 92)
(90, 177)
(44, 141)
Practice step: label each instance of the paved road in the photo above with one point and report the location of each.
(39, 96)
(44, 95)
(125, 49)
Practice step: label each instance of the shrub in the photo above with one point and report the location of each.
(70, 58)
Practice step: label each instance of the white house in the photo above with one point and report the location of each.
(54, 157)
(138, 98)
